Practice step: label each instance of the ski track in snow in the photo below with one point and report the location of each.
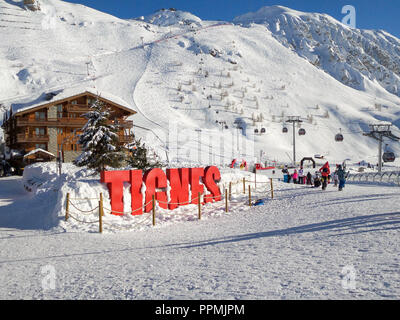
(294, 247)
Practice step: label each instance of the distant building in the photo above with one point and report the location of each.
(53, 122)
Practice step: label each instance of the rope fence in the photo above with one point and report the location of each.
(199, 201)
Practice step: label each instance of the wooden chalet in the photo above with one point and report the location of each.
(55, 120)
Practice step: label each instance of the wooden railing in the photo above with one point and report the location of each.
(22, 137)
(78, 108)
(126, 138)
(66, 122)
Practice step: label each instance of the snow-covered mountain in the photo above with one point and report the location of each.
(171, 16)
(219, 76)
(349, 55)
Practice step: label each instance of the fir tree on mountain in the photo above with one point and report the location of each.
(139, 158)
(99, 140)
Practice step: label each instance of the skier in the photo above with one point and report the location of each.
(342, 177)
(301, 176)
(325, 172)
(285, 174)
(295, 176)
(317, 181)
(335, 176)
(309, 179)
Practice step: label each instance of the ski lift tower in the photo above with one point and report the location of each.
(294, 120)
(378, 132)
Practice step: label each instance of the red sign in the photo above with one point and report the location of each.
(156, 182)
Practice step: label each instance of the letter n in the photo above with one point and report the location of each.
(179, 182)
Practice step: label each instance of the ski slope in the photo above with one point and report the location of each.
(174, 67)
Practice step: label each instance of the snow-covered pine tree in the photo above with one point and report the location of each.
(138, 157)
(99, 140)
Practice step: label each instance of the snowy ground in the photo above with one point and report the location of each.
(294, 247)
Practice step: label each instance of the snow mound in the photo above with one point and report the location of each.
(168, 17)
(84, 188)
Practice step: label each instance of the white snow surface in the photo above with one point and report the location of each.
(262, 69)
(296, 246)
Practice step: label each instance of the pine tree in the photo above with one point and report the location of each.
(138, 157)
(99, 140)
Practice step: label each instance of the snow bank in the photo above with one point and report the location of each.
(84, 188)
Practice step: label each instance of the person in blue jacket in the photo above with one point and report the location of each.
(342, 177)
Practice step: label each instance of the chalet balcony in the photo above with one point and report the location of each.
(66, 122)
(78, 108)
(126, 138)
(41, 138)
(59, 122)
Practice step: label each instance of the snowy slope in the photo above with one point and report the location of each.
(200, 73)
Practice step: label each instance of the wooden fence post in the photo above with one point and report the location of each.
(100, 217)
(154, 209)
(67, 208)
(244, 185)
(249, 196)
(272, 189)
(230, 190)
(226, 200)
(255, 179)
(199, 204)
(101, 200)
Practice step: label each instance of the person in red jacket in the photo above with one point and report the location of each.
(325, 172)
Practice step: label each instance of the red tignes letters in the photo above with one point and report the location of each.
(156, 182)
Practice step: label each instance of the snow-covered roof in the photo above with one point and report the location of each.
(59, 95)
(37, 151)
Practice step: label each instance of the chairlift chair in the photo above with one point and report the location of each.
(339, 136)
(262, 130)
(302, 132)
(284, 130)
(388, 156)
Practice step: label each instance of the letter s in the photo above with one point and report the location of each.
(212, 175)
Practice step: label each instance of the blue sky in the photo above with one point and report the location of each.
(377, 14)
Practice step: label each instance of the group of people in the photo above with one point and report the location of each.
(322, 177)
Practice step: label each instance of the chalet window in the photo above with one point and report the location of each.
(40, 131)
(59, 110)
(74, 102)
(91, 101)
(40, 115)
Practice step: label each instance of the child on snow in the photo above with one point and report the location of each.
(342, 178)
(295, 176)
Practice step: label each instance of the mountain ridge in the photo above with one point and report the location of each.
(202, 74)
